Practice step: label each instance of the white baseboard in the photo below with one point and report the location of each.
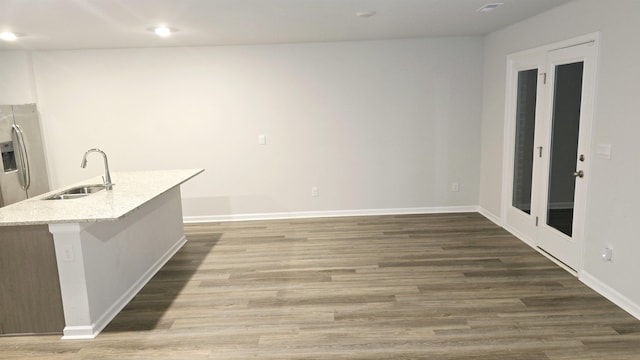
(90, 332)
(489, 215)
(615, 297)
(78, 333)
(335, 213)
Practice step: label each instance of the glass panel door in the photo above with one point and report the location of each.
(565, 132)
(548, 116)
(522, 166)
(525, 130)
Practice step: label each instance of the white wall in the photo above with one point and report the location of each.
(16, 78)
(375, 125)
(612, 214)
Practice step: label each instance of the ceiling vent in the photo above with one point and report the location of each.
(365, 14)
(489, 7)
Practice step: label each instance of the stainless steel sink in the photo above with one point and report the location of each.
(77, 192)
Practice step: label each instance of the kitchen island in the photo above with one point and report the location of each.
(108, 244)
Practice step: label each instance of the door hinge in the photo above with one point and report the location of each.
(539, 151)
(536, 221)
(544, 77)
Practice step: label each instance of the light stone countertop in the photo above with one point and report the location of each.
(130, 191)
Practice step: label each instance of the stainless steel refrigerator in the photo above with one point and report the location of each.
(23, 173)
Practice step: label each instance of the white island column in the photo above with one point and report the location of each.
(103, 265)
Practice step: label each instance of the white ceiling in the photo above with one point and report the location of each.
(82, 24)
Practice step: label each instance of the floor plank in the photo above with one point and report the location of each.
(440, 286)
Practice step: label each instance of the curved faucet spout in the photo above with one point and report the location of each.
(107, 175)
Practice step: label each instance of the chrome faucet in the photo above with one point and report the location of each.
(107, 176)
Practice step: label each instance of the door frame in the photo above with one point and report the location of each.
(525, 229)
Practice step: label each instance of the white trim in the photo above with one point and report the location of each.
(333, 213)
(508, 132)
(614, 296)
(491, 216)
(559, 45)
(79, 333)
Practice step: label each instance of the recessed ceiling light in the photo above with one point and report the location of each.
(365, 14)
(489, 7)
(8, 36)
(163, 31)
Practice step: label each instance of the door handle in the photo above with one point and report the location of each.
(23, 157)
(579, 173)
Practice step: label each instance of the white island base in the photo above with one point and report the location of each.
(103, 265)
(109, 244)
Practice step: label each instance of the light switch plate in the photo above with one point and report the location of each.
(603, 151)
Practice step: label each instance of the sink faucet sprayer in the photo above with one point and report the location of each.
(107, 176)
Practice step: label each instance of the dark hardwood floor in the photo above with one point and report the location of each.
(446, 286)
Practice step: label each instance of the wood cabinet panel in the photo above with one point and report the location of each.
(30, 300)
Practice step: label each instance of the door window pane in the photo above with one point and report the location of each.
(564, 146)
(525, 129)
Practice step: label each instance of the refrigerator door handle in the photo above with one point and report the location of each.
(24, 157)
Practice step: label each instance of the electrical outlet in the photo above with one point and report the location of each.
(315, 192)
(262, 139)
(455, 187)
(67, 253)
